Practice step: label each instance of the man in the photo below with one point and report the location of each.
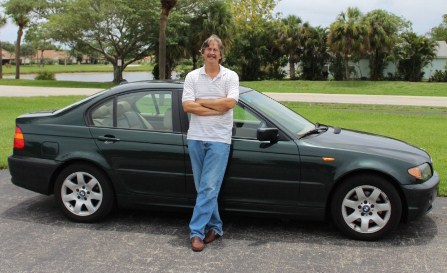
(209, 94)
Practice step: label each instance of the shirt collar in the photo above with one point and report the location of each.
(222, 71)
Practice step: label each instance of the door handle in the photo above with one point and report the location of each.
(108, 139)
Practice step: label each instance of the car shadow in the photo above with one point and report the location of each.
(255, 231)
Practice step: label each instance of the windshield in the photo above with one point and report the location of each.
(278, 113)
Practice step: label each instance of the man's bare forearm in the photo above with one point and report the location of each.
(220, 105)
(198, 109)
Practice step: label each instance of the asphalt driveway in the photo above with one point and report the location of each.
(36, 237)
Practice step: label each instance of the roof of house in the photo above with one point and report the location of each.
(7, 55)
(52, 54)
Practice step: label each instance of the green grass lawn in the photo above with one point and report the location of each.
(424, 127)
(72, 68)
(287, 86)
(352, 87)
(50, 83)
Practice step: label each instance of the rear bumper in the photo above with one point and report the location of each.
(32, 173)
(420, 197)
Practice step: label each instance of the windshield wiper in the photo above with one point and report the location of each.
(319, 128)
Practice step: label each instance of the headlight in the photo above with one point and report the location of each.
(421, 172)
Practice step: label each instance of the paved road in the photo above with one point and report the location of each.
(23, 91)
(35, 237)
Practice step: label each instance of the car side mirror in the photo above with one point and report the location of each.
(267, 134)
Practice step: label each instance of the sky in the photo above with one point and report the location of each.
(424, 14)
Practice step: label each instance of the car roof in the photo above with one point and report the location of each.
(155, 84)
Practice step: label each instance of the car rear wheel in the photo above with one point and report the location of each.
(366, 207)
(83, 193)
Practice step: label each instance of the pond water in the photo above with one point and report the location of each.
(93, 76)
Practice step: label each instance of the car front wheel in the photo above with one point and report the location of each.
(83, 193)
(366, 207)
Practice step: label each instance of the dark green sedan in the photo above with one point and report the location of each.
(127, 147)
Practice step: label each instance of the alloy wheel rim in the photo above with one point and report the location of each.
(366, 209)
(81, 194)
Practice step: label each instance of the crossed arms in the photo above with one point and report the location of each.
(209, 107)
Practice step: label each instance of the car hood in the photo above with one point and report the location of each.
(361, 142)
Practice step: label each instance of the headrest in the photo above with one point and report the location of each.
(123, 107)
(101, 112)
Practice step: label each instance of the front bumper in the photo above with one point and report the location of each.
(420, 197)
(33, 174)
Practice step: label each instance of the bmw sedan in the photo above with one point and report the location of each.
(126, 147)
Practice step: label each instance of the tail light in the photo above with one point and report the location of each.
(19, 141)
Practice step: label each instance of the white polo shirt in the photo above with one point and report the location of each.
(198, 85)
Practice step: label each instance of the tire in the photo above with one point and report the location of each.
(83, 193)
(366, 207)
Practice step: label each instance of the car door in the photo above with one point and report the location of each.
(260, 176)
(139, 136)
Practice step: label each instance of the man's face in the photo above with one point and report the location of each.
(211, 54)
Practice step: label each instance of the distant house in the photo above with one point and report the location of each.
(7, 57)
(50, 56)
(54, 57)
(438, 63)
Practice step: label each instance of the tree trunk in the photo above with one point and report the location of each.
(166, 6)
(42, 63)
(194, 62)
(19, 39)
(346, 68)
(162, 45)
(117, 73)
(292, 67)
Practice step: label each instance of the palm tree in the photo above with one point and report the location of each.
(315, 54)
(416, 53)
(214, 18)
(2, 23)
(20, 12)
(290, 38)
(347, 37)
(382, 30)
(166, 7)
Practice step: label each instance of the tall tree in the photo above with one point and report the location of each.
(247, 13)
(21, 13)
(2, 23)
(251, 49)
(383, 29)
(291, 37)
(213, 17)
(347, 37)
(166, 7)
(439, 33)
(117, 29)
(416, 52)
(39, 38)
(176, 49)
(315, 54)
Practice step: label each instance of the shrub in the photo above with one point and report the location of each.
(45, 75)
(439, 76)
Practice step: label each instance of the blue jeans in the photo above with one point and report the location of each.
(209, 162)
